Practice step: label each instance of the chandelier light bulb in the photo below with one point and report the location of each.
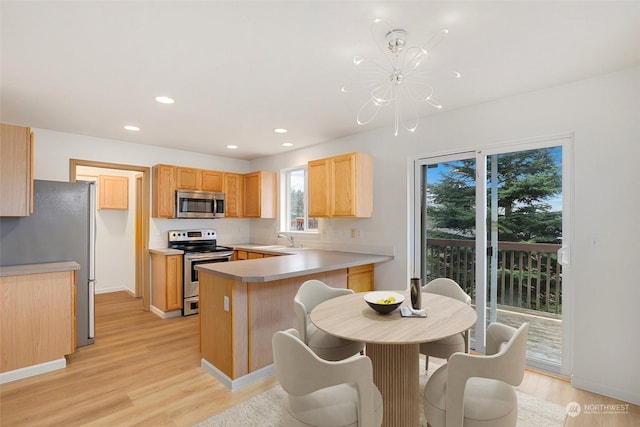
(398, 81)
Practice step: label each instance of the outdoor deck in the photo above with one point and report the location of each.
(545, 334)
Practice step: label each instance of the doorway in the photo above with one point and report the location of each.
(496, 222)
(142, 214)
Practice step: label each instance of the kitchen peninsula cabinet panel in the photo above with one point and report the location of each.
(360, 278)
(114, 192)
(341, 186)
(188, 179)
(260, 195)
(234, 194)
(16, 170)
(164, 191)
(212, 181)
(166, 282)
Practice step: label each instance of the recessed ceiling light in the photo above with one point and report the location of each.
(287, 144)
(280, 130)
(232, 147)
(165, 100)
(132, 128)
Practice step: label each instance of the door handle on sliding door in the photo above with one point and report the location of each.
(563, 255)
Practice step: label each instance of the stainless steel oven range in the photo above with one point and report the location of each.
(200, 247)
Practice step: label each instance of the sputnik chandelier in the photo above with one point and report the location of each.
(399, 81)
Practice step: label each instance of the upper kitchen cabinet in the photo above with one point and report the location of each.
(341, 186)
(212, 181)
(234, 194)
(114, 192)
(164, 191)
(319, 188)
(188, 178)
(16, 170)
(260, 195)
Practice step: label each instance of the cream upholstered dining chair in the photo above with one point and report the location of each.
(329, 347)
(473, 391)
(445, 347)
(323, 392)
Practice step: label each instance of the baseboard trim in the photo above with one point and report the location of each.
(31, 371)
(594, 387)
(118, 289)
(165, 314)
(238, 383)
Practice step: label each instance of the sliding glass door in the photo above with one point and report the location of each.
(492, 220)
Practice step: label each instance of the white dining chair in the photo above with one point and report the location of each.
(322, 392)
(475, 390)
(329, 347)
(445, 347)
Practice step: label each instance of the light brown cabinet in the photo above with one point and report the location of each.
(255, 255)
(164, 191)
(166, 281)
(188, 178)
(251, 195)
(319, 188)
(240, 255)
(341, 186)
(234, 194)
(114, 192)
(37, 318)
(260, 195)
(16, 170)
(360, 278)
(212, 181)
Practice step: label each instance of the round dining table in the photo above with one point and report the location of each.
(393, 343)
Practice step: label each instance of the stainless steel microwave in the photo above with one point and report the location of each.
(199, 204)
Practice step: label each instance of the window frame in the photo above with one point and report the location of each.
(285, 200)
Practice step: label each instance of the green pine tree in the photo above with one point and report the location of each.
(527, 180)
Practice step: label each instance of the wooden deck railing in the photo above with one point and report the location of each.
(529, 275)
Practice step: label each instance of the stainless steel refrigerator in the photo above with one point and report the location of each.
(62, 228)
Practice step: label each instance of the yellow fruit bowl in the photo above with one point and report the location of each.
(384, 302)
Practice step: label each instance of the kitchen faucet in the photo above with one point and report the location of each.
(290, 239)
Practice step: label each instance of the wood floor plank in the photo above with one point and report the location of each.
(143, 370)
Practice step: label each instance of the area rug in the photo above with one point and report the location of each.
(264, 410)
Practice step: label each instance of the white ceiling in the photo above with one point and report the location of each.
(239, 69)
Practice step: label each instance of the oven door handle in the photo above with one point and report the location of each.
(207, 256)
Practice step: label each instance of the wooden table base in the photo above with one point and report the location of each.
(396, 374)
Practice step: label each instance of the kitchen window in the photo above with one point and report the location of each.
(294, 206)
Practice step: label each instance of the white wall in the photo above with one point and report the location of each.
(603, 114)
(115, 236)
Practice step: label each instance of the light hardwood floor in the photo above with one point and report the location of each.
(145, 371)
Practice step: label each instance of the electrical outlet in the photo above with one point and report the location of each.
(355, 233)
(226, 303)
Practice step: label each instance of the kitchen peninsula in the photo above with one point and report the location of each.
(243, 303)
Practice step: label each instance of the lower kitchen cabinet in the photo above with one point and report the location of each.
(166, 282)
(360, 278)
(37, 314)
